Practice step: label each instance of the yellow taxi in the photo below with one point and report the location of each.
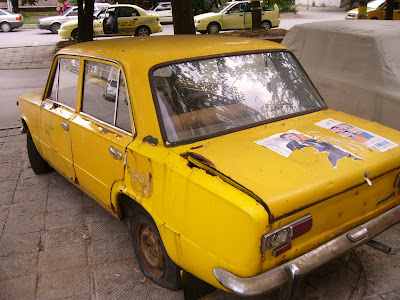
(116, 20)
(376, 10)
(222, 155)
(235, 15)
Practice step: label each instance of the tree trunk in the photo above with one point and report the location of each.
(182, 13)
(85, 20)
(256, 14)
(389, 9)
(15, 6)
(362, 9)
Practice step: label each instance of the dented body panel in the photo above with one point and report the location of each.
(212, 197)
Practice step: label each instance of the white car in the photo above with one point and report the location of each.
(163, 10)
(53, 23)
(9, 20)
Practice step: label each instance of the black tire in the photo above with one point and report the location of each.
(142, 31)
(74, 34)
(55, 27)
(203, 31)
(38, 164)
(153, 260)
(6, 27)
(266, 24)
(213, 28)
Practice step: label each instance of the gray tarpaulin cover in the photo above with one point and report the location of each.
(354, 64)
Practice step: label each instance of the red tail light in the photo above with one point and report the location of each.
(18, 18)
(281, 238)
(158, 19)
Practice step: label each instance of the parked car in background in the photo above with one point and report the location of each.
(53, 23)
(163, 10)
(129, 20)
(355, 65)
(9, 20)
(376, 10)
(224, 157)
(234, 15)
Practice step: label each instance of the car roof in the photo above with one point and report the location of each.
(160, 49)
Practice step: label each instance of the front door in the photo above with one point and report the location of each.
(101, 131)
(234, 17)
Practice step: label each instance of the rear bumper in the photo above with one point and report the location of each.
(282, 276)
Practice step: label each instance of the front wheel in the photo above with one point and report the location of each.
(55, 27)
(266, 24)
(5, 27)
(74, 34)
(142, 31)
(38, 164)
(149, 249)
(213, 28)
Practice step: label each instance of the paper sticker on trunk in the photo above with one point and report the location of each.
(365, 137)
(286, 142)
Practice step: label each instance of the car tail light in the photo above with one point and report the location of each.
(18, 18)
(281, 238)
(158, 19)
(397, 181)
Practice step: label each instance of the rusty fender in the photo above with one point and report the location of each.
(310, 261)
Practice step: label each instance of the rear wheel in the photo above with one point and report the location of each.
(266, 24)
(213, 28)
(152, 257)
(55, 27)
(142, 31)
(38, 164)
(74, 34)
(6, 27)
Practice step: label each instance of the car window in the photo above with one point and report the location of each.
(1, 13)
(104, 95)
(202, 98)
(64, 86)
(127, 12)
(73, 12)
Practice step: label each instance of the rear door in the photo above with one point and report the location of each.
(234, 17)
(102, 130)
(128, 18)
(56, 113)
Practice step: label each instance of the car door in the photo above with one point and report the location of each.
(234, 17)
(101, 131)
(57, 111)
(128, 18)
(396, 10)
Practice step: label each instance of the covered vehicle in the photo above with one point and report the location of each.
(376, 10)
(222, 155)
(355, 65)
(127, 20)
(53, 23)
(235, 15)
(10, 20)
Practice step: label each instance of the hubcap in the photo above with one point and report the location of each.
(150, 250)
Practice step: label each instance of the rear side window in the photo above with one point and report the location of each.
(65, 82)
(104, 95)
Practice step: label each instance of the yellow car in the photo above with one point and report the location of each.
(126, 20)
(376, 10)
(234, 15)
(222, 155)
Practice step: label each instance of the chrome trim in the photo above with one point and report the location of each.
(357, 234)
(276, 277)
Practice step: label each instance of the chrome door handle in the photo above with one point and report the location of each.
(65, 126)
(117, 154)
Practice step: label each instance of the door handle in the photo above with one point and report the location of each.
(65, 126)
(117, 154)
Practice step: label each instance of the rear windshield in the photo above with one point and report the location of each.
(198, 99)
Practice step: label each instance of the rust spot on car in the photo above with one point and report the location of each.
(201, 159)
(197, 147)
(76, 180)
(150, 140)
(104, 130)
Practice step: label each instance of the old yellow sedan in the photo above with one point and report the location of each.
(116, 20)
(222, 155)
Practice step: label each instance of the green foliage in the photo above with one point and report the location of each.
(284, 5)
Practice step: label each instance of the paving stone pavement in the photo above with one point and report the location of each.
(57, 243)
(35, 57)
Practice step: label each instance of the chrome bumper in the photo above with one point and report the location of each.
(288, 274)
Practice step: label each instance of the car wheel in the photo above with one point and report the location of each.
(55, 27)
(266, 24)
(142, 31)
(74, 34)
(213, 28)
(152, 257)
(6, 27)
(38, 164)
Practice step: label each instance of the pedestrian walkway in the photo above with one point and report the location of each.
(35, 57)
